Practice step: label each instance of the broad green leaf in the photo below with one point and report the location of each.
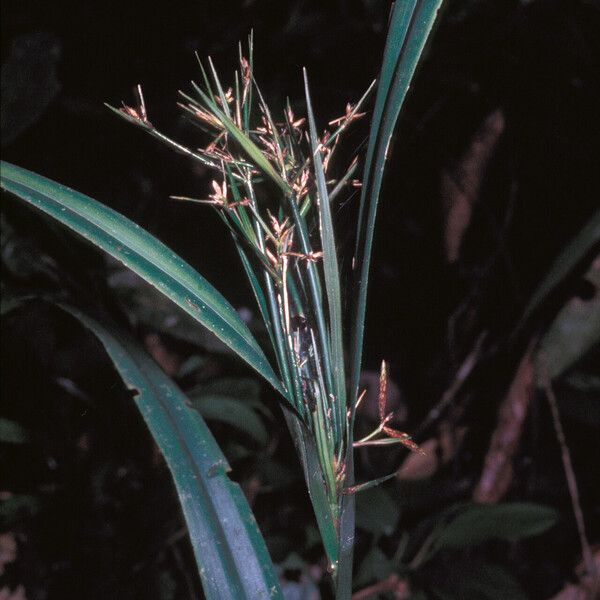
(145, 305)
(410, 24)
(574, 331)
(568, 259)
(233, 412)
(231, 554)
(11, 432)
(144, 254)
(477, 524)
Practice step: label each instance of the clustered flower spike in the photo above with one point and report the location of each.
(384, 419)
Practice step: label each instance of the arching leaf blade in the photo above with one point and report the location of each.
(331, 269)
(145, 255)
(410, 25)
(230, 552)
(571, 255)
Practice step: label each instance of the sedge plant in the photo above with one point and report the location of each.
(275, 187)
(274, 192)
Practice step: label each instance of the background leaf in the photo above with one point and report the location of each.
(233, 412)
(375, 566)
(481, 523)
(567, 260)
(575, 329)
(377, 511)
(230, 551)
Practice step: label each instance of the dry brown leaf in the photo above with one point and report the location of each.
(497, 470)
(17, 594)
(8, 550)
(460, 187)
(438, 451)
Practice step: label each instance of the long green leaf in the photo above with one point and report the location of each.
(143, 254)
(477, 524)
(231, 554)
(568, 259)
(330, 270)
(410, 24)
(316, 487)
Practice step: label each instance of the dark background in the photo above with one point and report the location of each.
(535, 63)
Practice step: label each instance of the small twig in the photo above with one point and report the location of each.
(448, 396)
(389, 584)
(422, 554)
(586, 551)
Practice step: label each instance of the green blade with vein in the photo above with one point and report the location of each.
(231, 554)
(330, 270)
(410, 24)
(145, 255)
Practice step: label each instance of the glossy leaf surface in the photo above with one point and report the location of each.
(143, 254)
(410, 24)
(230, 552)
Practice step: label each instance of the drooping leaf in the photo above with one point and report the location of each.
(575, 329)
(144, 254)
(230, 552)
(477, 524)
(568, 259)
(410, 24)
(145, 305)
